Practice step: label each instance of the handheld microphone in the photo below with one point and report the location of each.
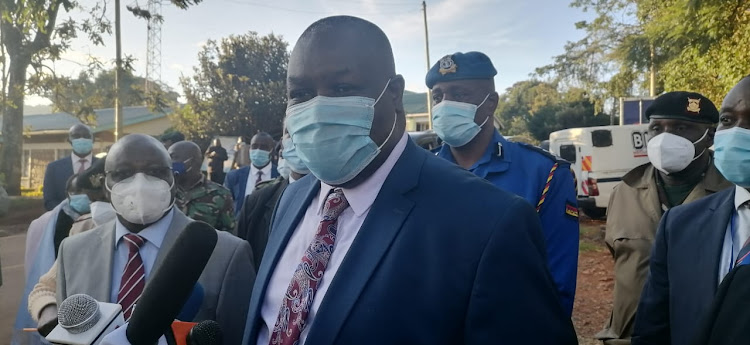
(171, 284)
(205, 333)
(84, 321)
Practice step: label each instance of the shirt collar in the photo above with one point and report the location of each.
(741, 196)
(292, 179)
(154, 233)
(495, 148)
(362, 197)
(75, 158)
(266, 170)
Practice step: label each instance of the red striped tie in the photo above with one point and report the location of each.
(133, 277)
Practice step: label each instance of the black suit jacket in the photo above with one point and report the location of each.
(727, 321)
(55, 177)
(254, 220)
(684, 271)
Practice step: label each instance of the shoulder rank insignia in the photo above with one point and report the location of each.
(447, 65)
(694, 105)
(571, 210)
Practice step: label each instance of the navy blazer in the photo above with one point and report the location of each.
(236, 182)
(443, 257)
(684, 272)
(56, 175)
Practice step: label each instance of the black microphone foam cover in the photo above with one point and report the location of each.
(206, 332)
(171, 284)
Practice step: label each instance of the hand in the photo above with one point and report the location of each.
(47, 320)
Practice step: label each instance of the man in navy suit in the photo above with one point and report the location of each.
(59, 171)
(242, 182)
(384, 243)
(698, 243)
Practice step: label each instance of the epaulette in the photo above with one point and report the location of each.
(544, 153)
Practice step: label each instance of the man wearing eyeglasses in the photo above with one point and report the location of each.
(112, 262)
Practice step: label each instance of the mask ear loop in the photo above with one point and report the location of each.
(480, 104)
(395, 116)
(704, 150)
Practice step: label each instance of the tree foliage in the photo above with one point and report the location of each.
(535, 109)
(82, 95)
(239, 88)
(693, 45)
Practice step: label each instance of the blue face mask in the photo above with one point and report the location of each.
(282, 168)
(332, 135)
(82, 146)
(259, 157)
(80, 203)
(291, 158)
(732, 155)
(454, 121)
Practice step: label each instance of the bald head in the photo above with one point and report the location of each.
(137, 151)
(185, 150)
(262, 141)
(79, 131)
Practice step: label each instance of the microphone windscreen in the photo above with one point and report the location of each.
(170, 285)
(206, 333)
(78, 313)
(193, 304)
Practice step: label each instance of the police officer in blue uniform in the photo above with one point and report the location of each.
(463, 92)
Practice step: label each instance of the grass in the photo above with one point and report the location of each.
(591, 237)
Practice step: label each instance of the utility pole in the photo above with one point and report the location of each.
(652, 88)
(427, 54)
(118, 71)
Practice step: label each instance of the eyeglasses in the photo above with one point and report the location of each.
(118, 175)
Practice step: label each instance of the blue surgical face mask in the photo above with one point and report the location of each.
(259, 157)
(332, 135)
(82, 146)
(454, 121)
(282, 168)
(292, 158)
(80, 203)
(732, 155)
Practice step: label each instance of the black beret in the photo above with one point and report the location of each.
(683, 105)
(93, 177)
(461, 66)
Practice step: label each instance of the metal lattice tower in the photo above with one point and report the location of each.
(153, 54)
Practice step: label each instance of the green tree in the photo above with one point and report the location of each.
(82, 95)
(239, 88)
(535, 109)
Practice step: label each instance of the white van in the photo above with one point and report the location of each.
(600, 157)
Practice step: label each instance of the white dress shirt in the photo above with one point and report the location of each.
(77, 162)
(254, 177)
(733, 244)
(154, 235)
(360, 200)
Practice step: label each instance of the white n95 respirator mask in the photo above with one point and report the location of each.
(141, 198)
(670, 153)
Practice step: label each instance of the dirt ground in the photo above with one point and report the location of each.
(593, 294)
(593, 302)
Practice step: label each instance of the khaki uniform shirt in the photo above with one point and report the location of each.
(633, 216)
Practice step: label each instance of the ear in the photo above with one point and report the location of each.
(396, 90)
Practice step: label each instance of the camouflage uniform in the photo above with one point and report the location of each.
(208, 202)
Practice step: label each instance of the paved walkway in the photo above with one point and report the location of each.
(11, 256)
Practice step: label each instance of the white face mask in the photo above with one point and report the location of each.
(141, 199)
(102, 212)
(671, 153)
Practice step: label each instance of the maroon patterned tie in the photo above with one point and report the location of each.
(260, 175)
(133, 277)
(82, 166)
(301, 291)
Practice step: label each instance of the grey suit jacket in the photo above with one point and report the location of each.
(85, 266)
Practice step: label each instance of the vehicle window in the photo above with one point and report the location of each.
(568, 153)
(601, 138)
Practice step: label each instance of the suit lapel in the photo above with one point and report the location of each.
(713, 232)
(179, 221)
(277, 240)
(103, 268)
(383, 223)
(242, 182)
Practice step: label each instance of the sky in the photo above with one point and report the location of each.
(517, 35)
